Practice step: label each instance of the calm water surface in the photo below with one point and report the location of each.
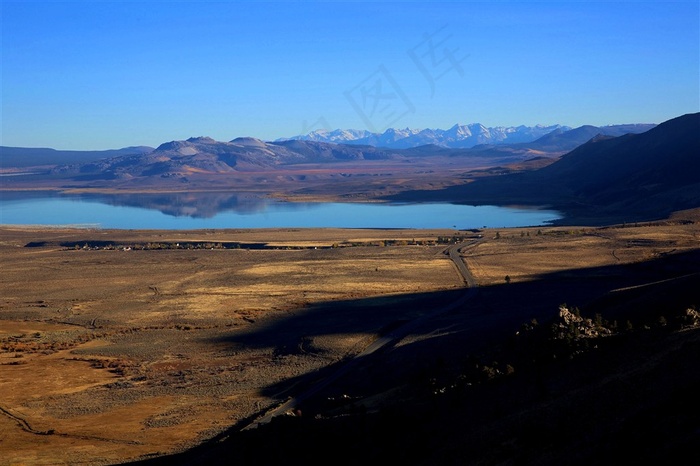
(227, 210)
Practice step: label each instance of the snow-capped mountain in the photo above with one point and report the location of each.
(458, 136)
(337, 135)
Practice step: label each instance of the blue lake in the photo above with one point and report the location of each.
(227, 210)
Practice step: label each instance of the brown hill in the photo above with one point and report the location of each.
(205, 155)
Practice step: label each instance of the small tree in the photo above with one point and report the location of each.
(507, 279)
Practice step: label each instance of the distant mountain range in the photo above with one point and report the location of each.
(321, 146)
(463, 136)
(204, 155)
(21, 157)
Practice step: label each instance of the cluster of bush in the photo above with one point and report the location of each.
(565, 337)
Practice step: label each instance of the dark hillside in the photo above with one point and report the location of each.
(565, 140)
(559, 139)
(632, 177)
(668, 155)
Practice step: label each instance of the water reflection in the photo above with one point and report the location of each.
(248, 210)
(194, 205)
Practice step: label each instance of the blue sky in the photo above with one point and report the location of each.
(100, 75)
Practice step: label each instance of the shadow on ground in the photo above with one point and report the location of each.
(631, 400)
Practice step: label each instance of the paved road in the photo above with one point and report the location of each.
(385, 341)
(454, 252)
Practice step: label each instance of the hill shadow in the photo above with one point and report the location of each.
(419, 431)
(499, 305)
(628, 292)
(375, 315)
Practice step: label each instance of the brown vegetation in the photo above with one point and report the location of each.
(154, 342)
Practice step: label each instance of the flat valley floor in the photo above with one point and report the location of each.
(118, 345)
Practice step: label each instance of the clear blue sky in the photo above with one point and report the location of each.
(100, 75)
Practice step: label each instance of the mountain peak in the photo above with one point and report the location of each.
(457, 136)
(600, 137)
(202, 140)
(172, 145)
(248, 141)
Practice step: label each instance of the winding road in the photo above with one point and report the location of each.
(385, 341)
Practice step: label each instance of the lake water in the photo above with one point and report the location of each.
(227, 210)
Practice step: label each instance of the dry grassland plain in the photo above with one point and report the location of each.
(113, 355)
(119, 354)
